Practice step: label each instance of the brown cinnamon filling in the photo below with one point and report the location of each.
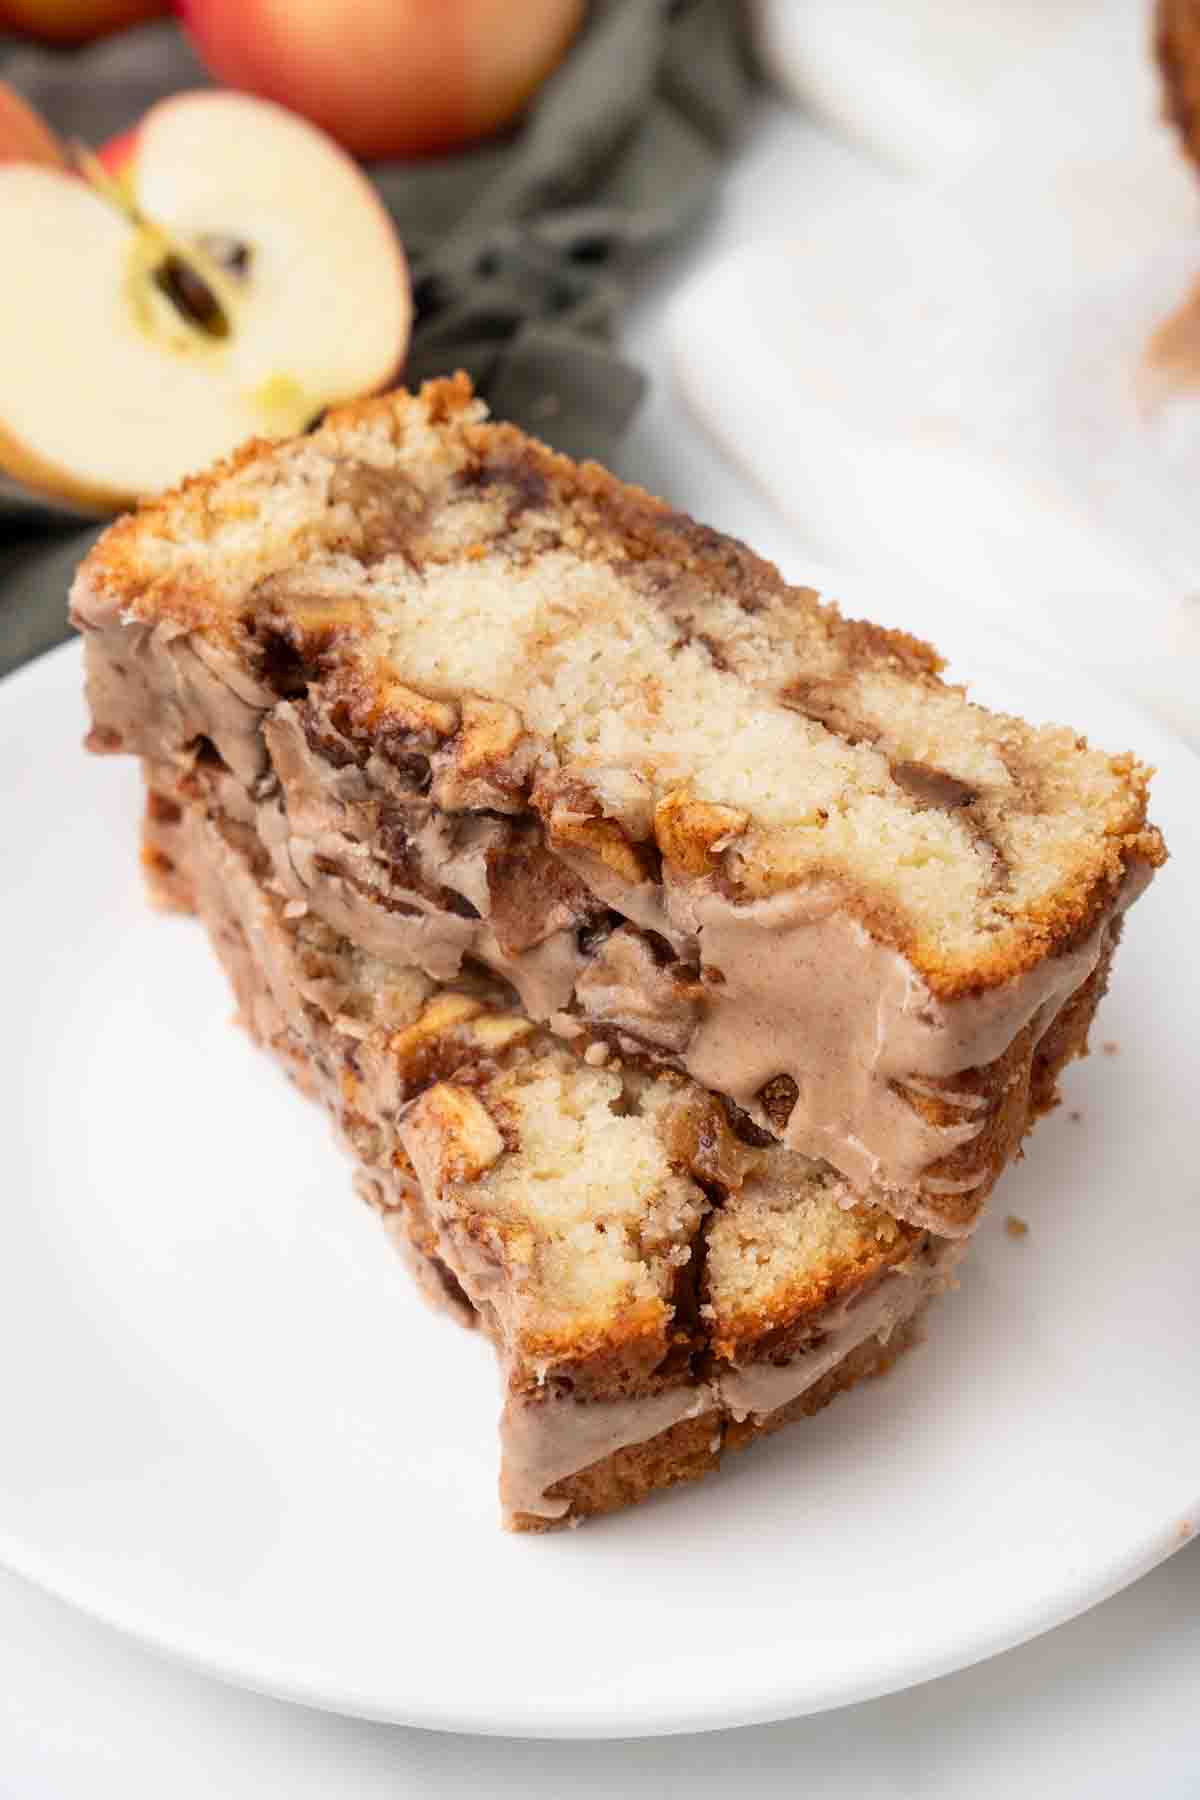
(390, 509)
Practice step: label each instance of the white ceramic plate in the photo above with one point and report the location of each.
(231, 1429)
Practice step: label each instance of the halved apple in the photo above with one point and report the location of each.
(243, 276)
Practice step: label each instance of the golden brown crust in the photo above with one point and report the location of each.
(777, 1327)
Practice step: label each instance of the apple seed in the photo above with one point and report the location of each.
(191, 295)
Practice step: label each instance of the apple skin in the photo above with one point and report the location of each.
(76, 21)
(24, 134)
(117, 155)
(388, 78)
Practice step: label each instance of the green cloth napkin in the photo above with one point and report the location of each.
(523, 250)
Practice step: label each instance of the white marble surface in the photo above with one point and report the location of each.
(1103, 1707)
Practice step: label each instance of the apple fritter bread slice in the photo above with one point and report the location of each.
(491, 708)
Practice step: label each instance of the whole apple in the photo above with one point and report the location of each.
(24, 134)
(388, 77)
(75, 21)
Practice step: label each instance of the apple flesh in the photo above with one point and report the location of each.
(75, 21)
(24, 134)
(388, 77)
(255, 280)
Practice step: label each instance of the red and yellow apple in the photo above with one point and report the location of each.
(241, 276)
(388, 77)
(24, 134)
(75, 21)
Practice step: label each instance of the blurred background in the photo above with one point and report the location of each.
(926, 272)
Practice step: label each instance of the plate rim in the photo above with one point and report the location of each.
(273, 1681)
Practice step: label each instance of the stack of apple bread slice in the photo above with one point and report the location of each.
(682, 963)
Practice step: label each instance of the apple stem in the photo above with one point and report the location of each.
(86, 163)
